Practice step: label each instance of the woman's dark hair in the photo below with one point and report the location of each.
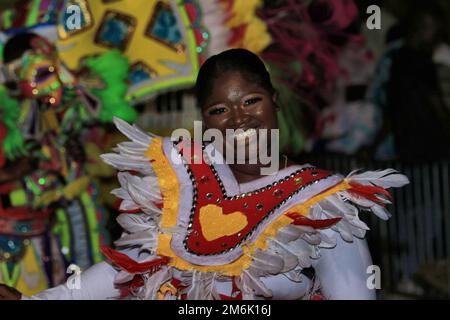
(246, 62)
(16, 46)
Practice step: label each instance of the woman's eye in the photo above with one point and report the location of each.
(251, 101)
(217, 111)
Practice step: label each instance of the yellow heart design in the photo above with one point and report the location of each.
(215, 224)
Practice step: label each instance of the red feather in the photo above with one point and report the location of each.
(127, 289)
(236, 293)
(135, 211)
(370, 192)
(300, 220)
(129, 265)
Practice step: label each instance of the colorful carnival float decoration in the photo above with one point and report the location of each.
(50, 216)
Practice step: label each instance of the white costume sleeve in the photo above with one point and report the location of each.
(343, 271)
(97, 283)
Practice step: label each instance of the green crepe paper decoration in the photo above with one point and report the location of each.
(33, 13)
(112, 67)
(13, 145)
(290, 118)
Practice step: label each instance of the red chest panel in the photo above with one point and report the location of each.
(256, 206)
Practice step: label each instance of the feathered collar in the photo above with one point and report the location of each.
(159, 218)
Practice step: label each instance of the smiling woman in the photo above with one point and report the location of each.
(234, 92)
(218, 230)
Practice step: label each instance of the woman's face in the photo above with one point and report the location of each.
(236, 103)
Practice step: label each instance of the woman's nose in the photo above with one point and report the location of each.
(238, 115)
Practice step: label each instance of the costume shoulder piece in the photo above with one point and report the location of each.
(182, 208)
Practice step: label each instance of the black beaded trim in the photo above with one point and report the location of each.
(268, 187)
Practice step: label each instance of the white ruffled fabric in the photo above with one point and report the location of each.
(291, 250)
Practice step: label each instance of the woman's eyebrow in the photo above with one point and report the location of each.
(252, 93)
(213, 104)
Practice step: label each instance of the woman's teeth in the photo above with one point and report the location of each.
(246, 134)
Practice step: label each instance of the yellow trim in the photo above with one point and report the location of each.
(168, 183)
(33, 269)
(303, 208)
(167, 287)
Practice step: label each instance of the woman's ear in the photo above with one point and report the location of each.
(274, 100)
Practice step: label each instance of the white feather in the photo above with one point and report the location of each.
(290, 261)
(152, 183)
(305, 229)
(132, 132)
(256, 285)
(380, 212)
(123, 277)
(338, 204)
(124, 163)
(154, 283)
(266, 262)
(137, 156)
(388, 178)
(141, 200)
(201, 286)
(300, 250)
(135, 222)
(304, 252)
(144, 188)
(138, 239)
(289, 233)
(290, 255)
(121, 193)
(327, 242)
(133, 147)
(358, 224)
(344, 230)
(313, 239)
(128, 205)
(316, 212)
(154, 213)
(358, 232)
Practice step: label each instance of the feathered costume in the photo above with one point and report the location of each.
(192, 232)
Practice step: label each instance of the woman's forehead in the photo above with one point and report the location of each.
(234, 81)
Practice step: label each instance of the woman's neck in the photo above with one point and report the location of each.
(244, 173)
